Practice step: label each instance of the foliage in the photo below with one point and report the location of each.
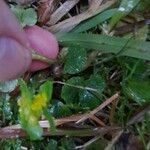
(94, 21)
(76, 60)
(31, 108)
(88, 97)
(138, 90)
(107, 44)
(25, 16)
(102, 55)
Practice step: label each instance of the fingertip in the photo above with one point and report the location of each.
(44, 43)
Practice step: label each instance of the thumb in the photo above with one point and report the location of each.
(14, 59)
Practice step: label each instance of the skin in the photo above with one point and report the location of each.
(15, 56)
(47, 46)
(15, 46)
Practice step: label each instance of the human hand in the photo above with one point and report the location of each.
(15, 49)
(15, 57)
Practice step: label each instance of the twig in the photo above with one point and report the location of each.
(93, 117)
(139, 116)
(77, 86)
(84, 146)
(114, 140)
(112, 111)
(61, 11)
(16, 131)
(69, 24)
(42, 58)
(104, 104)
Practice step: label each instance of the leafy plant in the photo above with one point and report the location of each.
(25, 16)
(70, 94)
(31, 108)
(76, 60)
(88, 96)
(138, 90)
(107, 44)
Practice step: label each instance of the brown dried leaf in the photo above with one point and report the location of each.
(62, 11)
(68, 24)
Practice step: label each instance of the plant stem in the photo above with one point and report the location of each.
(41, 58)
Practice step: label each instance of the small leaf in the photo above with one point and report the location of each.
(50, 119)
(137, 67)
(58, 109)
(70, 94)
(91, 99)
(47, 89)
(25, 16)
(35, 132)
(29, 17)
(138, 90)
(8, 86)
(31, 108)
(18, 12)
(76, 60)
(98, 144)
(67, 144)
(5, 108)
(25, 93)
(52, 145)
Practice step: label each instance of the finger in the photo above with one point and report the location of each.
(9, 25)
(14, 59)
(44, 43)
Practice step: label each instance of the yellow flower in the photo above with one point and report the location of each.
(39, 101)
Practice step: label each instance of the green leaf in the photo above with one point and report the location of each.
(67, 144)
(47, 88)
(50, 119)
(35, 132)
(76, 60)
(124, 9)
(98, 144)
(137, 67)
(70, 94)
(7, 108)
(6, 113)
(107, 44)
(25, 93)
(58, 109)
(94, 21)
(52, 145)
(30, 108)
(11, 144)
(29, 17)
(25, 16)
(138, 90)
(92, 99)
